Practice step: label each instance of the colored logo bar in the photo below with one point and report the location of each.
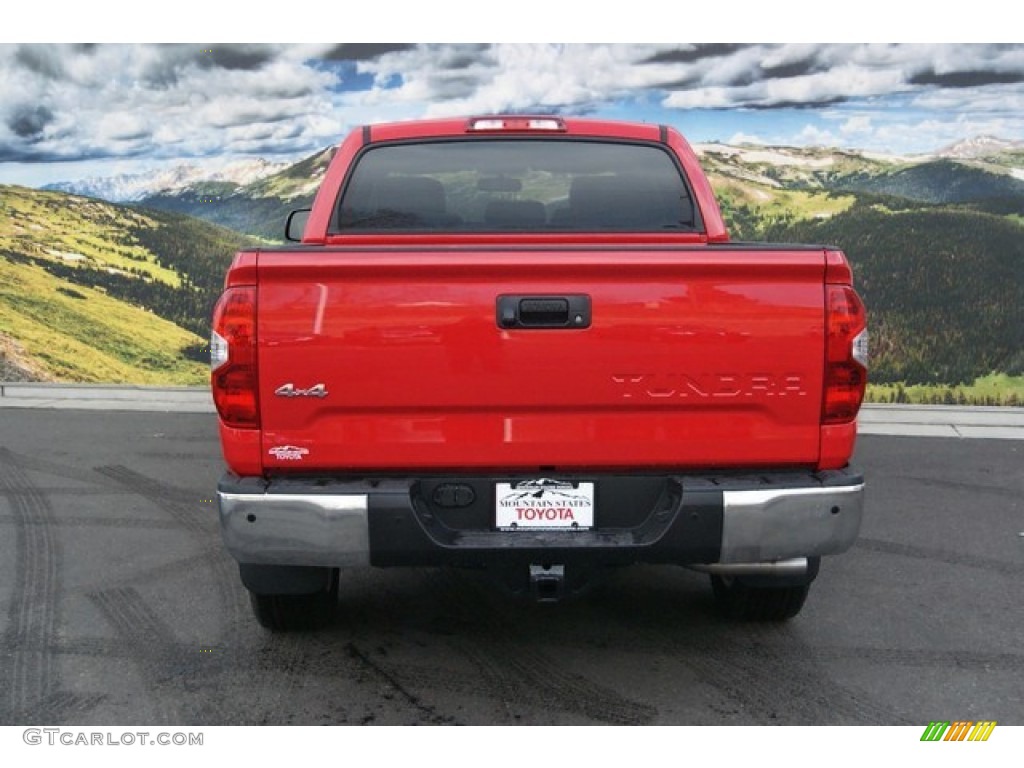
(959, 730)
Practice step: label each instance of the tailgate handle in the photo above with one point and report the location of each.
(544, 311)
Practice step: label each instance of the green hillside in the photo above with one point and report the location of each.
(750, 209)
(259, 209)
(51, 330)
(261, 217)
(941, 280)
(92, 291)
(942, 181)
(944, 287)
(791, 167)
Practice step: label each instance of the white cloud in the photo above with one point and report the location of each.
(811, 135)
(178, 101)
(701, 98)
(941, 132)
(998, 99)
(746, 138)
(171, 101)
(858, 125)
(846, 81)
(449, 80)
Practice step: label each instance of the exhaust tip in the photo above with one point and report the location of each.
(797, 566)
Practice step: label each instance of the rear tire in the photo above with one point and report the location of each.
(742, 602)
(289, 613)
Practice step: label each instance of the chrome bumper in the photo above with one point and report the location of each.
(763, 530)
(296, 529)
(762, 526)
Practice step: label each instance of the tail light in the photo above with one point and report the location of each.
(846, 355)
(233, 358)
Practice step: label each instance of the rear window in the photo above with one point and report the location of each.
(533, 185)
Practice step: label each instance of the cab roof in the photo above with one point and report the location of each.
(532, 125)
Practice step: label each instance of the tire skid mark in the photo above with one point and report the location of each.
(32, 675)
(424, 676)
(111, 648)
(95, 522)
(34, 464)
(137, 625)
(650, 643)
(177, 502)
(769, 672)
(285, 655)
(86, 646)
(149, 641)
(789, 655)
(181, 505)
(210, 456)
(427, 711)
(517, 678)
(514, 676)
(940, 555)
(786, 688)
(62, 706)
(50, 491)
(287, 661)
(948, 659)
(974, 488)
(204, 558)
(496, 681)
(189, 438)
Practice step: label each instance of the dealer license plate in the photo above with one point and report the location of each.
(544, 504)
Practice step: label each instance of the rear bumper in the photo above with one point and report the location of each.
(729, 520)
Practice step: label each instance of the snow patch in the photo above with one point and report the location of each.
(775, 157)
(883, 157)
(979, 146)
(66, 255)
(718, 149)
(132, 187)
(766, 155)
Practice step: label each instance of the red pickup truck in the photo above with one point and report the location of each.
(527, 344)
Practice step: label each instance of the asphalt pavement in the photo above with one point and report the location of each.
(118, 606)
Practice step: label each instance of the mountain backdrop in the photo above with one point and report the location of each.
(121, 289)
(96, 292)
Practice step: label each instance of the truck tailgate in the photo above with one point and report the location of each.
(692, 357)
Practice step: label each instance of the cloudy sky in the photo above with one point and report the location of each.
(68, 111)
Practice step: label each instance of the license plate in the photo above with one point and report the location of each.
(544, 504)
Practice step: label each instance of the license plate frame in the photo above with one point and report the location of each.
(544, 504)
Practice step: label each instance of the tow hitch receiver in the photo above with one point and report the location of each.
(547, 582)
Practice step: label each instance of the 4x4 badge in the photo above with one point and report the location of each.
(289, 390)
